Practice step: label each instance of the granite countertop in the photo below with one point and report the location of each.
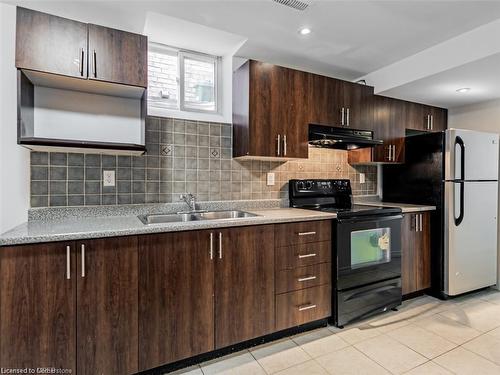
(374, 200)
(405, 207)
(73, 228)
(78, 223)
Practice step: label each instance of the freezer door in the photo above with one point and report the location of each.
(470, 237)
(471, 155)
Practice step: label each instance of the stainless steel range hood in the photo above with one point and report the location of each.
(341, 138)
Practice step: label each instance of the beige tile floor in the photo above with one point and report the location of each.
(425, 337)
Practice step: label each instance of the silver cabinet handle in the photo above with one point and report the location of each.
(393, 152)
(306, 233)
(94, 65)
(220, 245)
(211, 246)
(82, 57)
(347, 116)
(284, 145)
(428, 122)
(432, 122)
(68, 262)
(310, 255)
(389, 153)
(307, 278)
(307, 307)
(278, 150)
(83, 260)
(421, 227)
(416, 223)
(342, 111)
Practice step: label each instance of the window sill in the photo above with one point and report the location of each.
(194, 116)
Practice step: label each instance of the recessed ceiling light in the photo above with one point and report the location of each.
(464, 89)
(305, 31)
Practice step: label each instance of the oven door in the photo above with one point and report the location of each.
(368, 250)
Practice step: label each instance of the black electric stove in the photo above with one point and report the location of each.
(366, 259)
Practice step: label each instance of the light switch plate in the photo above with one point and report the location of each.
(270, 179)
(108, 178)
(361, 178)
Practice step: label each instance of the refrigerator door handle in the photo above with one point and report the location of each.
(459, 141)
(459, 219)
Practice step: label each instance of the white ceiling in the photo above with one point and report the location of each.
(481, 76)
(349, 39)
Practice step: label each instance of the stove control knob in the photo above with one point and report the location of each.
(300, 185)
(309, 185)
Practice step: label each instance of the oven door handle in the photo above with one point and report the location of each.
(363, 219)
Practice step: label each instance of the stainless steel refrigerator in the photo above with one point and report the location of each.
(457, 171)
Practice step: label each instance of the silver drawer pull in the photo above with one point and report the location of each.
(68, 262)
(307, 307)
(307, 255)
(307, 278)
(306, 233)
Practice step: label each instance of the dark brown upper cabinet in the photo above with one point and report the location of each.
(270, 111)
(339, 103)
(56, 45)
(425, 118)
(117, 56)
(388, 125)
(51, 44)
(435, 118)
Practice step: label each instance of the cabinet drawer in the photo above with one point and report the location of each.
(303, 232)
(303, 306)
(303, 277)
(303, 255)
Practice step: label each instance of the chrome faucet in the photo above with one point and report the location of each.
(190, 200)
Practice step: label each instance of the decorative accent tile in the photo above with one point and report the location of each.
(165, 150)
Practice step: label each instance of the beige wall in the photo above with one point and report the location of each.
(483, 117)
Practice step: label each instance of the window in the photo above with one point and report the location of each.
(181, 80)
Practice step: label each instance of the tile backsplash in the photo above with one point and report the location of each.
(182, 156)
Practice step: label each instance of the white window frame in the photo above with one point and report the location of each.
(181, 55)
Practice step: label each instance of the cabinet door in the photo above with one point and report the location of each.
(423, 252)
(325, 100)
(414, 116)
(176, 304)
(244, 284)
(408, 256)
(107, 306)
(278, 109)
(439, 119)
(37, 306)
(294, 126)
(358, 105)
(118, 56)
(389, 117)
(416, 252)
(51, 44)
(265, 82)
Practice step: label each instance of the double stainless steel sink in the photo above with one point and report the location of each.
(194, 216)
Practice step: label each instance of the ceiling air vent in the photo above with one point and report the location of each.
(295, 4)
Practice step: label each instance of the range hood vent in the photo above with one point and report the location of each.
(341, 138)
(295, 4)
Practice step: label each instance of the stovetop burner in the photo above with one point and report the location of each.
(332, 196)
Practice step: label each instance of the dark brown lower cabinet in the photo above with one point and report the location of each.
(416, 252)
(107, 306)
(244, 284)
(176, 297)
(37, 306)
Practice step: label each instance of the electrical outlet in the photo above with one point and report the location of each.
(361, 178)
(270, 179)
(108, 178)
